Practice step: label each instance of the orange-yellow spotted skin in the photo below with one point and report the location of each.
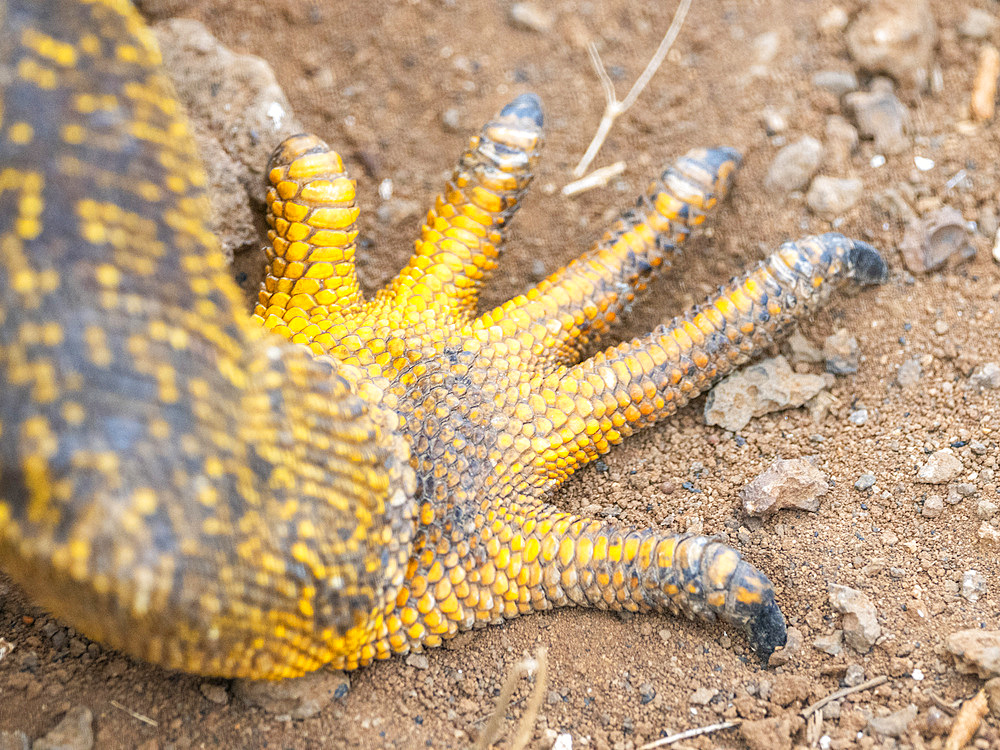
(369, 477)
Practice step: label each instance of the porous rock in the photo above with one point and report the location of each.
(860, 621)
(976, 651)
(941, 467)
(786, 483)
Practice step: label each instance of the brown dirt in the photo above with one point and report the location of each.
(374, 79)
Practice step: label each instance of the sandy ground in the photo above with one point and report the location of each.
(376, 80)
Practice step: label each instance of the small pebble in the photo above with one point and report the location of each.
(794, 165)
(532, 17)
(832, 197)
(941, 467)
(895, 37)
(982, 103)
(646, 692)
(417, 661)
(833, 21)
(842, 353)
(702, 696)
(864, 482)
(973, 585)
(896, 724)
(793, 644)
(860, 620)
(985, 377)
(832, 644)
(986, 509)
(854, 675)
(908, 374)
(978, 24)
(215, 693)
(932, 507)
(837, 82)
(786, 483)
(880, 116)
(976, 651)
(858, 417)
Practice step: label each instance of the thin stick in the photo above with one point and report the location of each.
(597, 178)
(874, 682)
(696, 732)
(613, 108)
(489, 733)
(135, 714)
(944, 705)
(527, 724)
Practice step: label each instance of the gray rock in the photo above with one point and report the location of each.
(786, 483)
(831, 197)
(646, 692)
(976, 651)
(908, 374)
(879, 115)
(300, 698)
(767, 386)
(973, 585)
(896, 724)
(864, 482)
(985, 377)
(794, 165)
(858, 417)
(837, 82)
(832, 644)
(986, 509)
(239, 114)
(532, 17)
(860, 621)
(941, 237)
(978, 24)
(941, 467)
(895, 37)
(854, 675)
(215, 693)
(933, 506)
(841, 352)
(74, 732)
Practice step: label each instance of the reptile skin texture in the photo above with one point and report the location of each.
(332, 479)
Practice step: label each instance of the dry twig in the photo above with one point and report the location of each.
(597, 178)
(696, 732)
(874, 682)
(970, 716)
(135, 714)
(613, 108)
(524, 667)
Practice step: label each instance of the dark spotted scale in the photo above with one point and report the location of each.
(369, 477)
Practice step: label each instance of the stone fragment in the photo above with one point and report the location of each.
(832, 197)
(896, 724)
(864, 482)
(842, 353)
(532, 17)
(74, 732)
(854, 675)
(986, 377)
(832, 644)
(986, 509)
(794, 165)
(988, 532)
(802, 349)
(215, 693)
(793, 644)
(771, 734)
(978, 24)
(860, 621)
(837, 82)
(703, 696)
(973, 585)
(940, 237)
(417, 661)
(767, 386)
(941, 467)
(933, 505)
(299, 698)
(788, 688)
(880, 116)
(895, 37)
(239, 114)
(908, 374)
(976, 651)
(786, 483)
(841, 141)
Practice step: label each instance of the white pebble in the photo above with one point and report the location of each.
(877, 161)
(923, 163)
(918, 675)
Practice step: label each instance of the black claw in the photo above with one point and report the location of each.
(869, 265)
(767, 631)
(526, 106)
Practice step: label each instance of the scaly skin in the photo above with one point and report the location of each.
(182, 485)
